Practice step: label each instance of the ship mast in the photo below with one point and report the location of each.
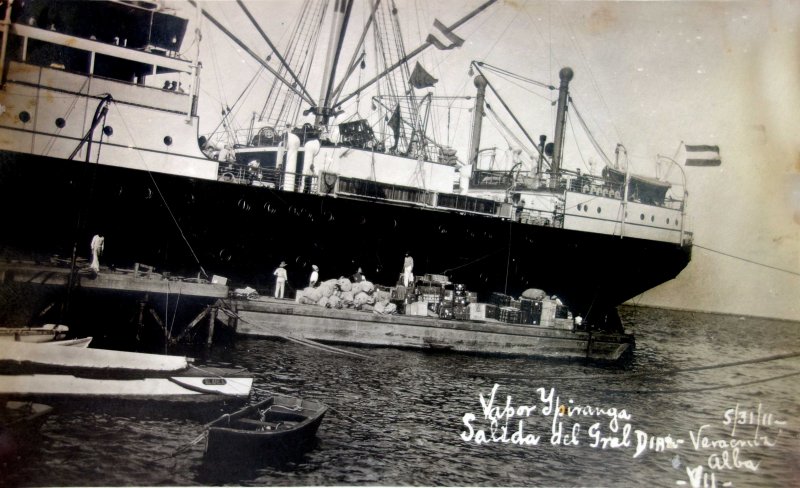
(341, 16)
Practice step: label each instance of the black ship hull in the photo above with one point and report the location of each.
(183, 225)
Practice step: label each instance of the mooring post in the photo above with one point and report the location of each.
(212, 317)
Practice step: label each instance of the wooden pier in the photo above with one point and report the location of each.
(134, 280)
(124, 295)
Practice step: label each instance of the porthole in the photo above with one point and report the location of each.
(585, 208)
(25, 117)
(626, 215)
(667, 220)
(599, 210)
(652, 218)
(579, 207)
(641, 217)
(168, 140)
(60, 122)
(676, 222)
(108, 130)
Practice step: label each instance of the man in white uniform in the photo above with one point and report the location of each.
(98, 243)
(280, 279)
(408, 268)
(312, 281)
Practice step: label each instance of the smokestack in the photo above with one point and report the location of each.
(475, 142)
(566, 75)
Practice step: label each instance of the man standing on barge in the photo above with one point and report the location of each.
(408, 268)
(280, 279)
(97, 245)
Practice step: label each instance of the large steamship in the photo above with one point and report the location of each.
(90, 143)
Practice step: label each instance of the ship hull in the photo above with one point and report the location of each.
(185, 225)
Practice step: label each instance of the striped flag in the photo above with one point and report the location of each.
(702, 155)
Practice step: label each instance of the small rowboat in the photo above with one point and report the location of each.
(19, 424)
(45, 333)
(80, 343)
(275, 429)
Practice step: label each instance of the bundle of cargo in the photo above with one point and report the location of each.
(534, 294)
(534, 307)
(342, 293)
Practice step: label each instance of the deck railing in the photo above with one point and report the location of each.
(267, 177)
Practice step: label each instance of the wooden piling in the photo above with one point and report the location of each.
(212, 317)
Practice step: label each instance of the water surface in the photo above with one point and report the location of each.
(398, 418)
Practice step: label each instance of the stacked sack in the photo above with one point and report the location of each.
(342, 294)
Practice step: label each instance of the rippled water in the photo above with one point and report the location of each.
(396, 419)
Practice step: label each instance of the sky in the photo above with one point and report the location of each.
(649, 75)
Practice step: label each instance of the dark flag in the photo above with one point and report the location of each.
(702, 155)
(394, 124)
(455, 41)
(420, 78)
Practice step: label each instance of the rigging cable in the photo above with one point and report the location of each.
(708, 388)
(592, 78)
(589, 133)
(577, 146)
(247, 88)
(70, 108)
(747, 260)
(474, 261)
(501, 71)
(161, 195)
(499, 123)
(649, 374)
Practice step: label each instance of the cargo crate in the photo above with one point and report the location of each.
(477, 311)
(398, 293)
(417, 308)
(509, 315)
(491, 311)
(500, 299)
(437, 278)
(461, 312)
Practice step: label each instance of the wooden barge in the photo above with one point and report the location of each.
(270, 317)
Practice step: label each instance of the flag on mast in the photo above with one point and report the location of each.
(702, 155)
(420, 78)
(434, 38)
